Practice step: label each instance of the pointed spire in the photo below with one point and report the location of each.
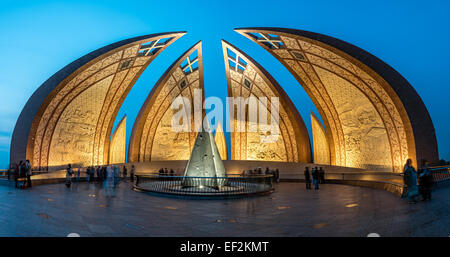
(205, 161)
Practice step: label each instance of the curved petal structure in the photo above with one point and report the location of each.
(373, 117)
(69, 118)
(118, 145)
(153, 137)
(245, 78)
(321, 148)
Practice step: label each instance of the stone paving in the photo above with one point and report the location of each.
(334, 210)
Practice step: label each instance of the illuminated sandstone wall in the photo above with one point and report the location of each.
(321, 148)
(221, 142)
(366, 122)
(117, 147)
(73, 112)
(153, 138)
(247, 78)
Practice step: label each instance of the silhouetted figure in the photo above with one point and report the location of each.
(98, 171)
(322, 175)
(125, 172)
(69, 173)
(277, 175)
(88, 174)
(132, 173)
(28, 172)
(17, 173)
(172, 172)
(161, 171)
(425, 181)
(307, 178)
(166, 171)
(259, 171)
(315, 175)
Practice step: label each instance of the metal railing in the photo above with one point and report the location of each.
(440, 173)
(205, 186)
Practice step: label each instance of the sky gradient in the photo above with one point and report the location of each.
(39, 38)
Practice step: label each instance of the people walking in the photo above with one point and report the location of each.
(307, 178)
(315, 176)
(410, 180)
(69, 173)
(425, 181)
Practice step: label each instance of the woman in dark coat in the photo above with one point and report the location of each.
(410, 180)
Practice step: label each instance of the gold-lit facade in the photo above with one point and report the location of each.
(221, 142)
(321, 148)
(246, 78)
(76, 108)
(117, 147)
(153, 137)
(366, 122)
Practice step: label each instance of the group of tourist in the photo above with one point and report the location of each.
(109, 175)
(99, 173)
(411, 177)
(258, 171)
(22, 171)
(318, 177)
(166, 172)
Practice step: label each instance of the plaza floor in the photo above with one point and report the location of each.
(334, 210)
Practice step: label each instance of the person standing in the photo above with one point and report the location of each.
(125, 172)
(315, 176)
(69, 173)
(17, 173)
(307, 178)
(132, 173)
(116, 175)
(277, 175)
(425, 181)
(97, 170)
(88, 174)
(78, 174)
(28, 172)
(410, 180)
(322, 175)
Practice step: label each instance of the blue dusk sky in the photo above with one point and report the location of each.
(40, 37)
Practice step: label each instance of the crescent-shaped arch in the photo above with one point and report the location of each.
(374, 118)
(69, 118)
(246, 78)
(152, 137)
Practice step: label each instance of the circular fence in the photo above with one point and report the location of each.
(205, 186)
